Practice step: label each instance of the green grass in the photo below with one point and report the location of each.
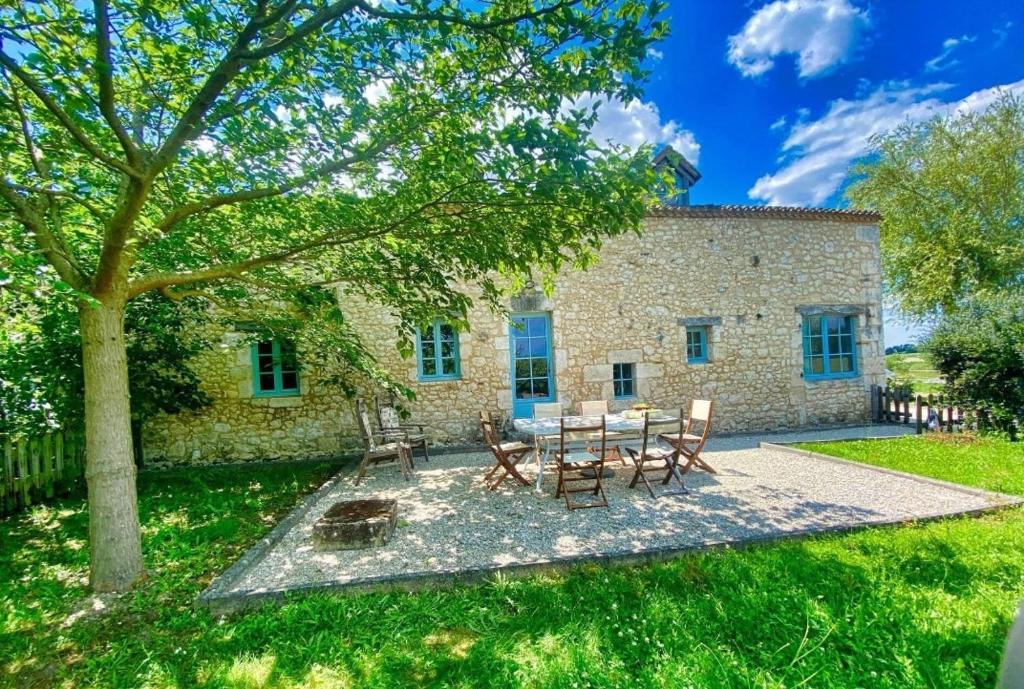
(991, 464)
(918, 369)
(918, 606)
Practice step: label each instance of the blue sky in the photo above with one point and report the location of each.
(772, 101)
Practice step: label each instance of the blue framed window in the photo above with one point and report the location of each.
(275, 369)
(437, 352)
(697, 344)
(624, 381)
(830, 346)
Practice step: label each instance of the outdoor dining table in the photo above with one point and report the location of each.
(552, 426)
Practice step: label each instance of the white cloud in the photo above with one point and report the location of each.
(822, 33)
(943, 61)
(1001, 33)
(637, 123)
(655, 54)
(778, 124)
(819, 152)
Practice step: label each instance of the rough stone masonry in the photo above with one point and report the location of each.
(747, 275)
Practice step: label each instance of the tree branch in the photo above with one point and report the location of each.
(213, 202)
(314, 23)
(449, 19)
(105, 77)
(49, 244)
(76, 132)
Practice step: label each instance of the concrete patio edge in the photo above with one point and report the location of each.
(221, 600)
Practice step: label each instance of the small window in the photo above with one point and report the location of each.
(830, 346)
(275, 368)
(624, 380)
(437, 352)
(696, 344)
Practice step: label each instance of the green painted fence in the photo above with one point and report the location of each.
(34, 469)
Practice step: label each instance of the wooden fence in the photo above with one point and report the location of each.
(34, 469)
(926, 412)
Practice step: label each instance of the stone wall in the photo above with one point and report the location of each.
(747, 272)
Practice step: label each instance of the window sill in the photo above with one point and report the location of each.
(438, 379)
(282, 393)
(830, 376)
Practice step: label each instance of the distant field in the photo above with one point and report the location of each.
(917, 368)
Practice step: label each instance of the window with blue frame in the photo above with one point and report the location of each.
(275, 368)
(437, 352)
(696, 344)
(624, 381)
(830, 346)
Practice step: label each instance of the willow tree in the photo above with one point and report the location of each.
(212, 149)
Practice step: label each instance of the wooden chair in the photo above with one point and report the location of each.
(653, 458)
(390, 423)
(600, 408)
(507, 456)
(579, 463)
(692, 443)
(379, 448)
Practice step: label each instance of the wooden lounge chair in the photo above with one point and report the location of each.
(692, 443)
(654, 458)
(581, 464)
(390, 423)
(507, 456)
(379, 448)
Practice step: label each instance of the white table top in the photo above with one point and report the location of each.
(553, 425)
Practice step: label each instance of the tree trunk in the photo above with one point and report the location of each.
(114, 535)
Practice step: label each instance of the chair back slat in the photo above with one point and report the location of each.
(700, 410)
(594, 408)
(363, 417)
(547, 410)
(573, 437)
(652, 426)
(388, 416)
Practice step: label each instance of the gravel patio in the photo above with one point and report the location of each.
(451, 527)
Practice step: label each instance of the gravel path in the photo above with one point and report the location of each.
(449, 522)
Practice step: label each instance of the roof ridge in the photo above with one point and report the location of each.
(751, 211)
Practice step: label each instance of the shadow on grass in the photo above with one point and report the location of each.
(910, 607)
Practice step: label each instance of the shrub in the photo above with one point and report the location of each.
(980, 351)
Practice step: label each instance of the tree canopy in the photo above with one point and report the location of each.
(252, 152)
(951, 194)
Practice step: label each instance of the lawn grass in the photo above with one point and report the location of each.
(918, 606)
(917, 368)
(988, 463)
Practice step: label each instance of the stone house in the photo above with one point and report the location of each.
(774, 313)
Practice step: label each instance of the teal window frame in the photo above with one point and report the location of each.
(829, 345)
(278, 369)
(623, 377)
(697, 344)
(437, 356)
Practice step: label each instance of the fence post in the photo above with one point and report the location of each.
(46, 458)
(918, 403)
(906, 407)
(7, 478)
(23, 475)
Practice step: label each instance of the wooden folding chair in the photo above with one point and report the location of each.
(379, 448)
(653, 458)
(507, 456)
(600, 408)
(578, 463)
(688, 441)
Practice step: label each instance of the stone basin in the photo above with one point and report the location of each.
(356, 524)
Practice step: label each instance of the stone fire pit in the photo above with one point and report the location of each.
(356, 524)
